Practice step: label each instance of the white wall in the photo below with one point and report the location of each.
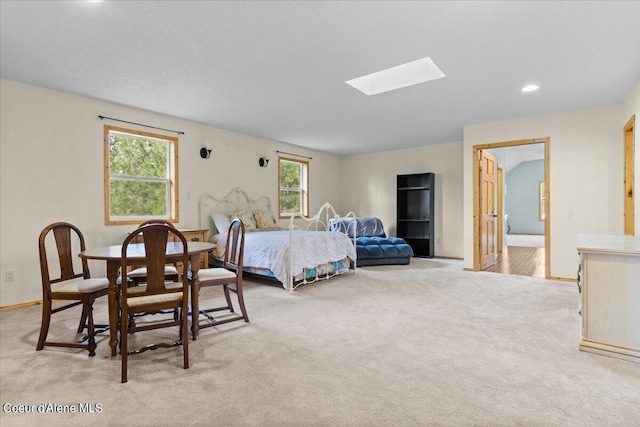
(631, 107)
(370, 188)
(586, 160)
(51, 169)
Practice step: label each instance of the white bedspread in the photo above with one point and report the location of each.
(270, 250)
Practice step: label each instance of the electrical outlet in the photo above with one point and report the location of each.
(10, 276)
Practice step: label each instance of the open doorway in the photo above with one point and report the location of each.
(512, 238)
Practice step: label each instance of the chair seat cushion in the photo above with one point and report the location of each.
(142, 271)
(81, 285)
(215, 274)
(154, 299)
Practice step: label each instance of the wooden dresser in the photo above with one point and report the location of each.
(609, 284)
(197, 235)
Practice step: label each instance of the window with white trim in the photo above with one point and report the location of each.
(141, 176)
(293, 194)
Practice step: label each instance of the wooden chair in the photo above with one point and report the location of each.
(229, 276)
(157, 294)
(70, 286)
(139, 275)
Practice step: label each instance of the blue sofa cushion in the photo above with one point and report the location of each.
(382, 251)
(373, 247)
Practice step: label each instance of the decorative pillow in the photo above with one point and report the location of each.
(221, 222)
(246, 217)
(266, 220)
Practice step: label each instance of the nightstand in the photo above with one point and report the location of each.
(197, 235)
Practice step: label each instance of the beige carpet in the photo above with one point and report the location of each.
(418, 345)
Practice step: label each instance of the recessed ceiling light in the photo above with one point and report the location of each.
(530, 88)
(409, 74)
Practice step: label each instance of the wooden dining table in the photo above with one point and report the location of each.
(136, 256)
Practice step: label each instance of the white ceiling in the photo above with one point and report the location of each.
(277, 69)
(511, 157)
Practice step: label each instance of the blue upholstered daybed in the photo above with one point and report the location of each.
(373, 247)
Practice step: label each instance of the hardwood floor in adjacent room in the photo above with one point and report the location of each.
(520, 260)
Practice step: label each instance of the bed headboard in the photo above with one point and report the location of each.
(235, 200)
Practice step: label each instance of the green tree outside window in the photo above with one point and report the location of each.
(293, 185)
(141, 176)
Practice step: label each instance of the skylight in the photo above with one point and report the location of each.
(409, 74)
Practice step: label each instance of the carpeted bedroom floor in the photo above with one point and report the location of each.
(418, 345)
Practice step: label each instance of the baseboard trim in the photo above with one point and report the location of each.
(563, 279)
(610, 350)
(22, 304)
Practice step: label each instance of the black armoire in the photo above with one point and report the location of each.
(415, 203)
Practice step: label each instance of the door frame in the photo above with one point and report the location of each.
(476, 198)
(629, 177)
(500, 209)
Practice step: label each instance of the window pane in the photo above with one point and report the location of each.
(293, 187)
(289, 202)
(138, 198)
(289, 175)
(129, 155)
(141, 179)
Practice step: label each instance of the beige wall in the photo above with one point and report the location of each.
(51, 162)
(371, 188)
(51, 169)
(586, 159)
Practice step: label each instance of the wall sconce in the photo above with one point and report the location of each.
(263, 162)
(205, 153)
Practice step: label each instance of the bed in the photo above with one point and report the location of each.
(304, 252)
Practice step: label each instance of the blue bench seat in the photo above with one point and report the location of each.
(382, 251)
(373, 247)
